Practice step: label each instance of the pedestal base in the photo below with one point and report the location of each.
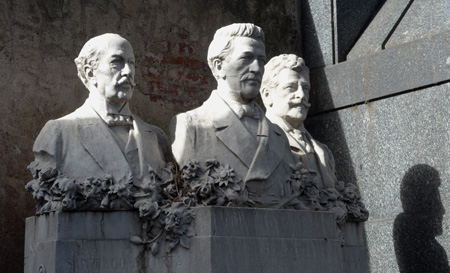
(227, 240)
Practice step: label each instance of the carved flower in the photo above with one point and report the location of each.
(67, 189)
(204, 190)
(224, 175)
(119, 190)
(350, 193)
(190, 170)
(170, 191)
(95, 187)
(148, 209)
(357, 212)
(330, 199)
(178, 218)
(177, 224)
(297, 182)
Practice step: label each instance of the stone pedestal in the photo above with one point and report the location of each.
(226, 240)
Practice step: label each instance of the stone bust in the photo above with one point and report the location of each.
(103, 139)
(230, 127)
(285, 93)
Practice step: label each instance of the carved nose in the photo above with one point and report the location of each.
(300, 93)
(126, 69)
(256, 67)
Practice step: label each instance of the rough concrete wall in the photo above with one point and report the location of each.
(40, 38)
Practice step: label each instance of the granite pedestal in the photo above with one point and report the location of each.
(226, 240)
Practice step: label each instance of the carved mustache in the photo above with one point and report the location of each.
(252, 76)
(126, 80)
(299, 102)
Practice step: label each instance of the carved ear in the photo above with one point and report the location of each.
(89, 74)
(267, 99)
(217, 64)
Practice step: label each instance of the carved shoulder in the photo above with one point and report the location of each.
(49, 136)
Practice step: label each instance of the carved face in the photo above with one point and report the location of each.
(290, 98)
(243, 68)
(114, 76)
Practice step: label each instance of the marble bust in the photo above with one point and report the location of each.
(103, 139)
(230, 127)
(285, 93)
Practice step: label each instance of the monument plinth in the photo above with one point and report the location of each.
(225, 240)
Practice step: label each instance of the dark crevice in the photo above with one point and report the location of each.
(333, 31)
(394, 28)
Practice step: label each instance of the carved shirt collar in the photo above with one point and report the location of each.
(250, 109)
(107, 112)
(286, 126)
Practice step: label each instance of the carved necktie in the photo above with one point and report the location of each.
(301, 138)
(250, 111)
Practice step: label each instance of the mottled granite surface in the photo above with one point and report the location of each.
(386, 146)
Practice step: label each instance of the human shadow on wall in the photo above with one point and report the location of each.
(416, 228)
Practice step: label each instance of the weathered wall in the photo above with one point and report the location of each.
(40, 38)
(384, 113)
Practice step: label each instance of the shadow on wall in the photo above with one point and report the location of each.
(415, 229)
(327, 128)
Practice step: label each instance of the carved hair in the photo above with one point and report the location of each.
(90, 53)
(222, 43)
(278, 63)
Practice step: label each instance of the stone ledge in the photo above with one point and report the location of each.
(256, 240)
(394, 70)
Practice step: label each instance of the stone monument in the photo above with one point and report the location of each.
(111, 195)
(230, 127)
(285, 93)
(100, 145)
(103, 158)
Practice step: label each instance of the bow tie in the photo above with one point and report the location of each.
(118, 120)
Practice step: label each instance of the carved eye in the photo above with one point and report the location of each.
(290, 87)
(247, 56)
(115, 62)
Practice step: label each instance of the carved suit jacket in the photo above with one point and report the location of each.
(81, 144)
(213, 131)
(323, 155)
(324, 158)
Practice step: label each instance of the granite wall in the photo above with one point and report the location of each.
(384, 112)
(40, 38)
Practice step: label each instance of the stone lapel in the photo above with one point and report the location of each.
(98, 140)
(327, 177)
(256, 154)
(295, 145)
(326, 167)
(267, 155)
(147, 147)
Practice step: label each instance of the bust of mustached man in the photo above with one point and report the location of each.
(102, 138)
(230, 127)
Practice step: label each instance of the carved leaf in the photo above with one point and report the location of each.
(154, 248)
(136, 240)
(184, 241)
